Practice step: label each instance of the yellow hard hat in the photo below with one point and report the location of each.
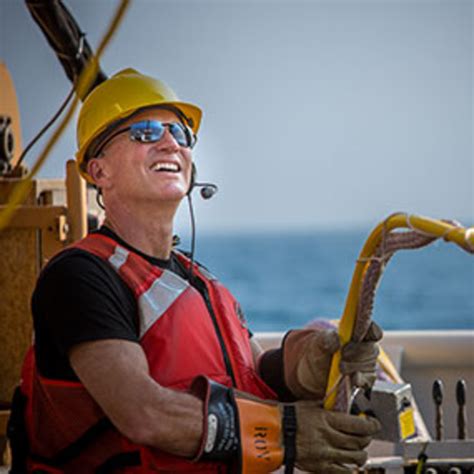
(117, 98)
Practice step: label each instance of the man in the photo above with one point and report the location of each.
(141, 360)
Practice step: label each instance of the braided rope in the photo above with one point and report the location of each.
(380, 246)
(391, 242)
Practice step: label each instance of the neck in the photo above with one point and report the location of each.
(149, 232)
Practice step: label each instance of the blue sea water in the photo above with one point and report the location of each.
(285, 280)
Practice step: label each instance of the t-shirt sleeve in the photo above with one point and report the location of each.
(80, 298)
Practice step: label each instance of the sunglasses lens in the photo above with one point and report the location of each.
(150, 131)
(179, 134)
(147, 131)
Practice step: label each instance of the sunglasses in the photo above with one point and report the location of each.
(152, 131)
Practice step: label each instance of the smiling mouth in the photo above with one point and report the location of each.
(166, 167)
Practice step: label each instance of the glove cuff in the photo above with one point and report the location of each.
(220, 441)
(239, 428)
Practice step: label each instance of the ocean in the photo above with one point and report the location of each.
(283, 281)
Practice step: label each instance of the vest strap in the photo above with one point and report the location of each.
(129, 459)
(75, 449)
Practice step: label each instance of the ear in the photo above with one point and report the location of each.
(97, 170)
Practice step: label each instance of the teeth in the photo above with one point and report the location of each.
(166, 167)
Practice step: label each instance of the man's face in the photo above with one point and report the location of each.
(134, 171)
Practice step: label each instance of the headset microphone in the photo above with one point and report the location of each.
(208, 189)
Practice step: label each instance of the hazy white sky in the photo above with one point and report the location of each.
(316, 113)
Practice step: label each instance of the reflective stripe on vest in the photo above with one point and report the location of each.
(119, 257)
(153, 303)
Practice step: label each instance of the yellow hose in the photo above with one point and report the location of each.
(20, 191)
(424, 225)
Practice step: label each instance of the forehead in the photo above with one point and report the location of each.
(154, 114)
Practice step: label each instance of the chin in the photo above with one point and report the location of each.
(172, 194)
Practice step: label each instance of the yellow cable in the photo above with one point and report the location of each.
(20, 191)
(436, 228)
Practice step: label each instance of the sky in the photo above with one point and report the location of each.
(317, 114)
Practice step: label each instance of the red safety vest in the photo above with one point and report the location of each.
(66, 427)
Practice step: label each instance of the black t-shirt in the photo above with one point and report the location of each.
(79, 298)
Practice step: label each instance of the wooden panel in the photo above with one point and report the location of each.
(18, 272)
(4, 415)
(40, 217)
(35, 233)
(5, 455)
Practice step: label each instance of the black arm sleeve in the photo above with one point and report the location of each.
(79, 298)
(271, 369)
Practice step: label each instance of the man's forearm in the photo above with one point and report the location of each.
(178, 428)
(141, 409)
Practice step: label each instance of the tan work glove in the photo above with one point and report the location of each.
(325, 440)
(307, 356)
(261, 435)
(359, 359)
